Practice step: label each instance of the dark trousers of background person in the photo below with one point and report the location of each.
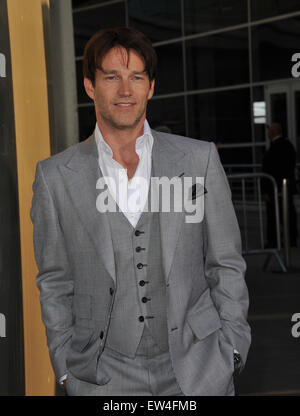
(271, 220)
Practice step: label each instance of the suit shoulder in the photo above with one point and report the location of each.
(52, 162)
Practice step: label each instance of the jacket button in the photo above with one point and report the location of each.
(141, 318)
(144, 299)
(138, 233)
(101, 334)
(111, 291)
(140, 266)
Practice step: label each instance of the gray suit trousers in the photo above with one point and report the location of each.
(150, 373)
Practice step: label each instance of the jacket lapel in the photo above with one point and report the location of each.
(80, 176)
(168, 161)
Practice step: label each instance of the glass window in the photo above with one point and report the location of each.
(273, 46)
(167, 115)
(236, 156)
(259, 152)
(87, 121)
(218, 60)
(297, 121)
(224, 116)
(81, 94)
(203, 16)
(278, 109)
(158, 19)
(268, 8)
(88, 22)
(169, 77)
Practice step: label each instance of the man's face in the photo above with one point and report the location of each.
(121, 90)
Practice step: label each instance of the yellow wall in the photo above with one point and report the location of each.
(33, 144)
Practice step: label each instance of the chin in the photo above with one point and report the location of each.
(126, 124)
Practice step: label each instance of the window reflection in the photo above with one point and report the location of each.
(259, 128)
(259, 112)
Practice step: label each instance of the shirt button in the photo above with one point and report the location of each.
(144, 299)
(139, 266)
(142, 283)
(141, 318)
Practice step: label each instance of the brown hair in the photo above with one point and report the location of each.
(126, 37)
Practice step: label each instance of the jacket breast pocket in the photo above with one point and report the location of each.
(205, 322)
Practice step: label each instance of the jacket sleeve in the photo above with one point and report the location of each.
(54, 278)
(224, 265)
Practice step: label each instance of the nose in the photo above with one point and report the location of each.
(124, 88)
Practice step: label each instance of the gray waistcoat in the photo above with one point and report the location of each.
(140, 285)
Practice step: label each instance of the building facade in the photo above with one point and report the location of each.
(226, 68)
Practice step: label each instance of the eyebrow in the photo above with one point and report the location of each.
(114, 71)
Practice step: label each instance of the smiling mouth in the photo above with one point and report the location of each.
(125, 104)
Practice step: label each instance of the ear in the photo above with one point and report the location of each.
(89, 88)
(151, 91)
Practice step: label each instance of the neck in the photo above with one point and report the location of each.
(121, 141)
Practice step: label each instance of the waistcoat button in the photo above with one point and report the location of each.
(137, 232)
(140, 266)
(141, 318)
(144, 299)
(142, 283)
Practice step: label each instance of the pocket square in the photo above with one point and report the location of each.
(198, 190)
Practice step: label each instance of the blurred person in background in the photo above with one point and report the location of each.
(280, 162)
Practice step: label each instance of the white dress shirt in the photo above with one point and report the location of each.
(130, 195)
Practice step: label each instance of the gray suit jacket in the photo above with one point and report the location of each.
(207, 298)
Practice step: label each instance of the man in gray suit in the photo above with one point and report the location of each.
(136, 301)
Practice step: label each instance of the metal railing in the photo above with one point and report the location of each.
(248, 200)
